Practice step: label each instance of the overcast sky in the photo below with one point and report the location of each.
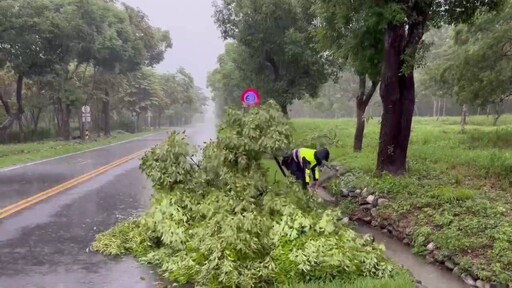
(196, 41)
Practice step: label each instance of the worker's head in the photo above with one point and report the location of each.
(322, 155)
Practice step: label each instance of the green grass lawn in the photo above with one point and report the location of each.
(457, 192)
(16, 154)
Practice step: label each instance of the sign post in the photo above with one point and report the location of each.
(250, 98)
(86, 119)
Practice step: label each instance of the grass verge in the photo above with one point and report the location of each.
(17, 154)
(457, 193)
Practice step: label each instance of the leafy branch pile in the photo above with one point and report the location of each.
(220, 224)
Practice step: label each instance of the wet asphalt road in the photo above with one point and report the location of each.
(27, 181)
(46, 245)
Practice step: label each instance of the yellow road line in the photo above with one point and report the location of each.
(64, 186)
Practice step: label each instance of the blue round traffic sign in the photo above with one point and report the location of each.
(250, 97)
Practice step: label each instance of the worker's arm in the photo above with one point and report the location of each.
(307, 169)
(313, 172)
(316, 175)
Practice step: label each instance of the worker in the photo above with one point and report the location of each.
(303, 164)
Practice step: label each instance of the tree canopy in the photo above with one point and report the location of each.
(67, 53)
(275, 46)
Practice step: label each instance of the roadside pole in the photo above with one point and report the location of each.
(86, 119)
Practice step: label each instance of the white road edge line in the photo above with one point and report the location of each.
(75, 153)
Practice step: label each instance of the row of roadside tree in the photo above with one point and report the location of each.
(58, 55)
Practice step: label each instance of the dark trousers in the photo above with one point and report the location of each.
(296, 169)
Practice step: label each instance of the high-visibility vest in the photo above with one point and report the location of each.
(309, 155)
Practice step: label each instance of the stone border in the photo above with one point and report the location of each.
(367, 213)
(346, 221)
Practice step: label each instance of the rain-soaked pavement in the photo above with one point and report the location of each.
(46, 245)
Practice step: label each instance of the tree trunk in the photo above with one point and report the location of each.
(50, 120)
(284, 109)
(360, 109)
(57, 114)
(438, 110)
(463, 119)
(106, 114)
(362, 100)
(478, 111)
(97, 119)
(159, 120)
(19, 102)
(358, 137)
(7, 124)
(398, 99)
(497, 110)
(495, 120)
(434, 112)
(4, 102)
(38, 117)
(65, 122)
(488, 111)
(81, 125)
(444, 107)
(397, 89)
(35, 116)
(137, 121)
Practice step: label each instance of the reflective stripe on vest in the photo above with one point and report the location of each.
(296, 157)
